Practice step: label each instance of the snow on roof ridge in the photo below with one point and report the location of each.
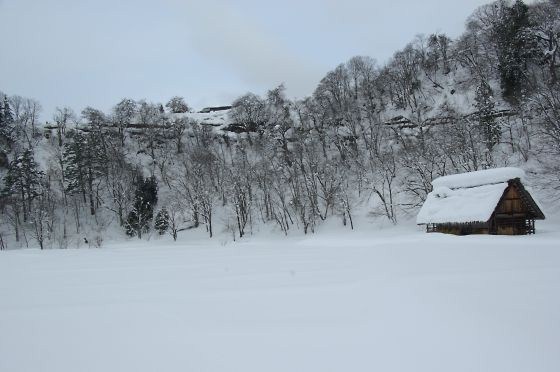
(479, 178)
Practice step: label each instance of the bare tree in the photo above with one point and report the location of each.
(249, 111)
(177, 105)
(62, 116)
(123, 116)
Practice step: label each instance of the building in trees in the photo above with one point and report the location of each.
(492, 201)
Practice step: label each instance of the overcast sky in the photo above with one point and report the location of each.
(77, 53)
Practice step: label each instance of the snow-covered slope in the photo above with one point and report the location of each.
(390, 300)
(213, 118)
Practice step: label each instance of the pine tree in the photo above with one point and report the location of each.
(85, 162)
(4, 139)
(1, 114)
(74, 172)
(485, 106)
(162, 221)
(6, 123)
(23, 181)
(142, 213)
(514, 49)
(8, 116)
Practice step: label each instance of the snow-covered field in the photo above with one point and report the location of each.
(385, 300)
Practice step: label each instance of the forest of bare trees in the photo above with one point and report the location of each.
(370, 136)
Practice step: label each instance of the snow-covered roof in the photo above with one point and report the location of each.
(478, 178)
(466, 197)
(472, 204)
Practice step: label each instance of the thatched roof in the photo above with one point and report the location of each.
(473, 197)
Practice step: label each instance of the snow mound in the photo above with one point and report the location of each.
(478, 178)
(472, 204)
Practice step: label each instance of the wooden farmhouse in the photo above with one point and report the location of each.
(492, 201)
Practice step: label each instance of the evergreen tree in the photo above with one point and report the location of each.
(162, 221)
(4, 139)
(7, 115)
(514, 49)
(23, 181)
(142, 213)
(1, 114)
(485, 106)
(131, 226)
(85, 162)
(74, 160)
(6, 123)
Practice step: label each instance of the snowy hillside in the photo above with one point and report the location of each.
(218, 118)
(388, 300)
(364, 146)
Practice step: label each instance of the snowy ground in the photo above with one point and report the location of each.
(385, 300)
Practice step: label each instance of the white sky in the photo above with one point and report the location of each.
(77, 53)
